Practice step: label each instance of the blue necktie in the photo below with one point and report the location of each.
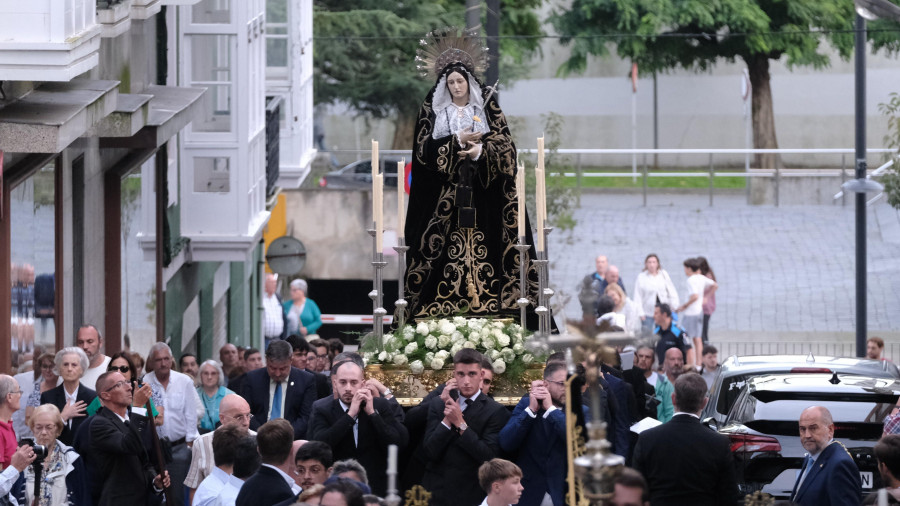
(276, 403)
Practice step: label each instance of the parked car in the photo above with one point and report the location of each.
(764, 431)
(735, 372)
(358, 175)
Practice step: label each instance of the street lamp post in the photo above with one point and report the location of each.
(865, 9)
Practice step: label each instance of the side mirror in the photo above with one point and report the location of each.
(711, 422)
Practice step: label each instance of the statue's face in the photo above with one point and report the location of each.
(458, 85)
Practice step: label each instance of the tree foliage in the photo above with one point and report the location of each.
(365, 56)
(661, 35)
(891, 178)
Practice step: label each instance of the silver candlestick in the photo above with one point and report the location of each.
(523, 280)
(401, 250)
(392, 498)
(377, 293)
(544, 284)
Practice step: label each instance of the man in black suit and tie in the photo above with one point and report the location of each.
(273, 482)
(684, 461)
(280, 391)
(356, 424)
(71, 397)
(116, 448)
(462, 432)
(829, 474)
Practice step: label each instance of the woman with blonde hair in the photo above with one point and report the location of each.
(63, 480)
(625, 307)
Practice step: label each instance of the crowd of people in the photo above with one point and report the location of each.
(305, 425)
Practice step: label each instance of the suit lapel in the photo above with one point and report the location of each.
(814, 471)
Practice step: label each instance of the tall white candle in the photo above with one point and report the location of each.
(401, 204)
(539, 198)
(374, 172)
(392, 459)
(379, 210)
(542, 183)
(540, 152)
(520, 192)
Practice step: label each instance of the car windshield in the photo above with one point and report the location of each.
(731, 389)
(855, 415)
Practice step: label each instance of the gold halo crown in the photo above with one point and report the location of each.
(447, 46)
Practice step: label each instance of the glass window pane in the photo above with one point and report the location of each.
(276, 52)
(211, 58)
(211, 175)
(138, 274)
(276, 11)
(212, 12)
(216, 109)
(32, 251)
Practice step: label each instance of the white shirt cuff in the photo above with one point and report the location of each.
(445, 425)
(530, 412)
(551, 409)
(139, 411)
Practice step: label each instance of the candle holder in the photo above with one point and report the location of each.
(523, 280)
(544, 281)
(401, 303)
(377, 293)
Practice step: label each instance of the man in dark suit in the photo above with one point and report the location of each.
(272, 483)
(829, 474)
(684, 461)
(357, 425)
(537, 431)
(71, 396)
(462, 433)
(280, 391)
(116, 448)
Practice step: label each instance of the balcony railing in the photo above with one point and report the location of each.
(273, 126)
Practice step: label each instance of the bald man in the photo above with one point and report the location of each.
(829, 474)
(233, 410)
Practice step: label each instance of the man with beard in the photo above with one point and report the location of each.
(88, 338)
(357, 425)
(537, 431)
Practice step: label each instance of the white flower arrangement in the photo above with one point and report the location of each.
(432, 344)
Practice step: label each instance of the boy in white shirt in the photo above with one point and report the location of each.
(502, 481)
(692, 311)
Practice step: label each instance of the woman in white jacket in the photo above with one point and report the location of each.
(653, 283)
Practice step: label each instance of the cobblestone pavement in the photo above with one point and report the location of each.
(781, 271)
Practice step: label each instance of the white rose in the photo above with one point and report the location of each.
(422, 328)
(457, 336)
(444, 341)
(447, 328)
(456, 347)
(488, 344)
(400, 359)
(459, 321)
(508, 354)
(429, 356)
(527, 358)
(437, 364)
(443, 354)
(409, 332)
(493, 355)
(499, 366)
(518, 348)
(410, 348)
(503, 340)
(469, 344)
(416, 367)
(382, 356)
(432, 326)
(431, 342)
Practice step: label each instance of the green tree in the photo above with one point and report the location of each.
(660, 35)
(365, 56)
(891, 178)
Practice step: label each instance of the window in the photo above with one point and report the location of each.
(277, 43)
(211, 64)
(212, 12)
(211, 175)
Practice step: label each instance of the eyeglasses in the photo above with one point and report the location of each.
(322, 356)
(242, 418)
(560, 383)
(120, 368)
(20, 392)
(117, 385)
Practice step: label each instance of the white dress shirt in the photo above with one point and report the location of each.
(229, 493)
(89, 378)
(179, 398)
(273, 318)
(210, 487)
(202, 459)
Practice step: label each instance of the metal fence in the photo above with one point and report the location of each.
(715, 168)
(823, 348)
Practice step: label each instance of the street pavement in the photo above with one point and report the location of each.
(785, 273)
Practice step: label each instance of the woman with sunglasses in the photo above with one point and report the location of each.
(45, 379)
(121, 362)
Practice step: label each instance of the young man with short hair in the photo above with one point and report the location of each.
(313, 462)
(501, 481)
(874, 348)
(709, 364)
(630, 489)
(887, 451)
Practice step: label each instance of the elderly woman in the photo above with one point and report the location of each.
(462, 220)
(63, 480)
(303, 314)
(71, 398)
(10, 402)
(212, 390)
(45, 379)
